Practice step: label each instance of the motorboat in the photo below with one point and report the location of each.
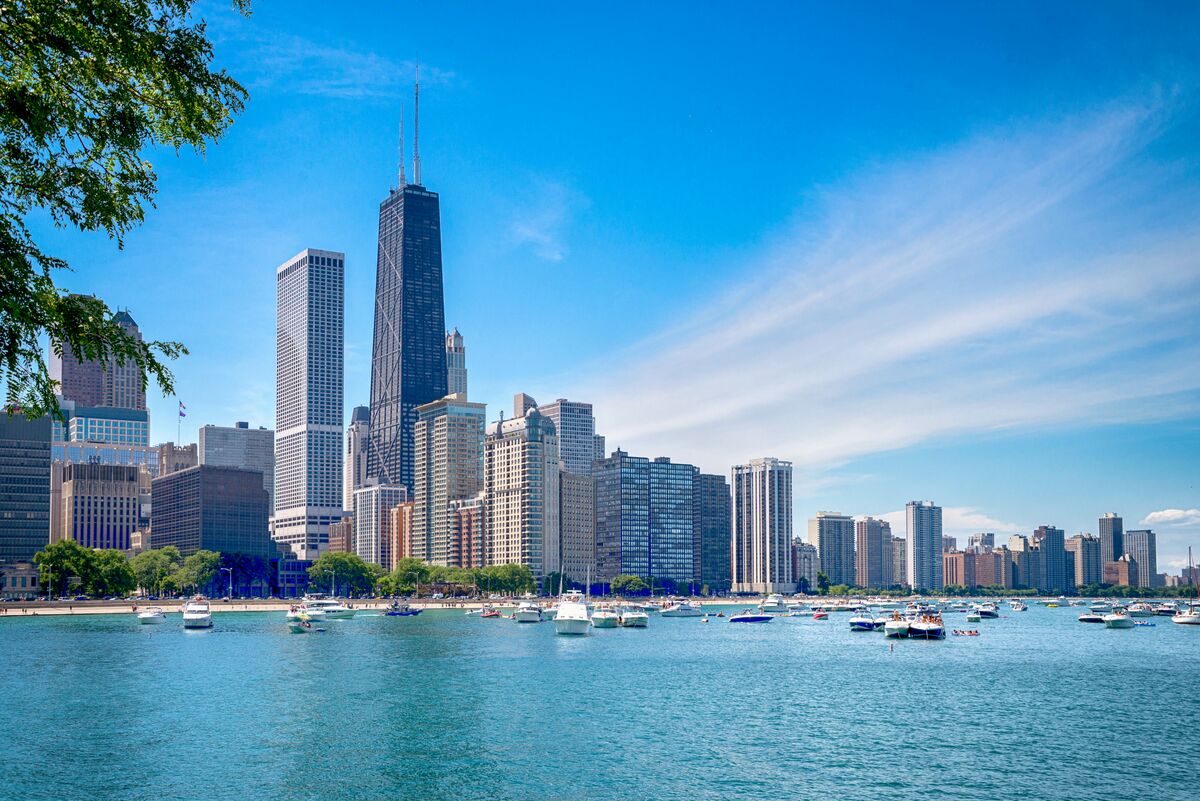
(401, 609)
(632, 617)
(749, 616)
(1101, 607)
(197, 614)
(861, 622)
(1018, 606)
(1091, 617)
(774, 604)
(300, 613)
(1166, 609)
(1141, 609)
(302, 624)
(528, 612)
(489, 611)
(333, 609)
(820, 614)
(683, 609)
(987, 610)
(974, 617)
(1118, 620)
(896, 627)
(151, 616)
(573, 616)
(927, 627)
(1189, 617)
(605, 617)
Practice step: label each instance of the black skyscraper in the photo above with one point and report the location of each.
(408, 359)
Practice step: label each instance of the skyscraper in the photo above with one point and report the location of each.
(1085, 550)
(1112, 539)
(242, 447)
(212, 508)
(1140, 544)
(308, 399)
(354, 460)
(24, 486)
(447, 466)
(1051, 543)
(96, 384)
(99, 504)
(713, 510)
(924, 543)
(408, 357)
(521, 494)
(872, 553)
(622, 516)
(672, 521)
(981, 542)
(761, 558)
(373, 521)
(456, 364)
(577, 523)
(576, 433)
(833, 536)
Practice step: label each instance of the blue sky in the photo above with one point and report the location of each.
(949, 251)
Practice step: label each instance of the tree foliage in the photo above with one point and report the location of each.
(100, 572)
(113, 575)
(553, 582)
(86, 89)
(344, 573)
(197, 571)
(628, 585)
(152, 568)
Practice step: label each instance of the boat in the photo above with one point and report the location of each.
(332, 608)
(303, 624)
(896, 627)
(528, 612)
(1141, 609)
(197, 614)
(400, 609)
(1091, 617)
(974, 617)
(987, 610)
(572, 616)
(605, 617)
(1166, 609)
(774, 603)
(1117, 620)
(151, 615)
(632, 617)
(749, 616)
(489, 611)
(300, 613)
(1018, 606)
(1101, 607)
(1188, 617)
(927, 627)
(861, 622)
(683, 609)
(820, 614)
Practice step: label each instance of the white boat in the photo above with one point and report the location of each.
(748, 616)
(861, 622)
(332, 608)
(632, 617)
(572, 616)
(1166, 609)
(1101, 607)
(1191, 617)
(528, 612)
(1091, 617)
(1017, 606)
(605, 617)
(774, 604)
(683, 609)
(151, 615)
(1118, 621)
(896, 627)
(1141, 609)
(927, 627)
(987, 610)
(197, 614)
(974, 617)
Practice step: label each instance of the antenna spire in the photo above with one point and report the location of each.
(403, 180)
(417, 125)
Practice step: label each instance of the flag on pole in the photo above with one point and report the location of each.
(182, 410)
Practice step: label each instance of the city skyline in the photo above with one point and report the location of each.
(972, 451)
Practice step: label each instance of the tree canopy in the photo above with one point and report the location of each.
(628, 585)
(152, 568)
(341, 572)
(86, 89)
(100, 572)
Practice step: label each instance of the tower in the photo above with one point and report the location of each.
(456, 364)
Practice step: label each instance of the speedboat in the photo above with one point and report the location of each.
(489, 611)
(683, 609)
(1101, 607)
(605, 617)
(820, 614)
(302, 624)
(774, 603)
(528, 612)
(927, 627)
(1118, 621)
(197, 614)
(572, 616)
(1091, 617)
(1166, 609)
(861, 622)
(1141, 609)
(1017, 606)
(1190, 617)
(330, 606)
(151, 615)
(631, 617)
(974, 617)
(748, 616)
(896, 627)
(987, 610)
(401, 609)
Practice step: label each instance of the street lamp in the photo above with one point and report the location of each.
(229, 570)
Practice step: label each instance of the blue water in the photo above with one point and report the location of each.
(448, 706)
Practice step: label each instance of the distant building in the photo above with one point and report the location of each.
(372, 521)
(466, 532)
(872, 553)
(19, 580)
(993, 568)
(949, 543)
(341, 535)
(242, 447)
(101, 424)
(576, 433)
(924, 541)
(958, 569)
(172, 457)
(761, 559)
(1050, 541)
(447, 466)
(1084, 552)
(354, 460)
(981, 542)
(1140, 544)
(713, 534)
(212, 508)
(833, 536)
(95, 383)
(1112, 537)
(456, 364)
(24, 486)
(99, 505)
(577, 523)
(805, 565)
(522, 403)
(401, 533)
(520, 501)
(899, 561)
(1122, 572)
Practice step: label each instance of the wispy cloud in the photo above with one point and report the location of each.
(1035, 277)
(960, 522)
(540, 219)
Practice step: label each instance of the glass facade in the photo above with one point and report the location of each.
(408, 358)
(713, 534)
(24, 487)
(212, 508)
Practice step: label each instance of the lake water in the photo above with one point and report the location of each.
(447, 706)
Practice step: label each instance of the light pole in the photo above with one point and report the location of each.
(229, 570)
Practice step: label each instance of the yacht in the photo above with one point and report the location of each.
(1189, 617)
(896, 627)
(1166, 609)
(151, 615)
(1141, 609)
(528, 612)
(861, 622)
(631, 617)
(774, 604)
(1101, 607)
(1017, 606)
(683, 609)
(748, 616)
(300, 613)
(927, 627)
(605, 617)
(974, 617)
(197, 614)
(1118, 621)
(330, 606)
(987, 610)
(572, 616)
(1091, 617)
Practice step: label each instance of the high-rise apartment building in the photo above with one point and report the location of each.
(872, 553)
(993, 568)
(805, 565)
(212, 508)
(93, 383)
(924, 542)
(1140, 544)
(456, 364)
(1121, 572)
(408, 356)
(447, 466)
(833, 536)
(713, 532)
(354, 459)
(1084, 551)
(1112, 537)
(24, 486)
(308, 399)
(899, 561)
(466, 531)
(100, 505)
(1051, 544)
(958, 569)
(576, 433)
(984, 541)
(372, 521)
(761, 558)
(401, 533)
(577, 523)
(242, 447)
(521, 494)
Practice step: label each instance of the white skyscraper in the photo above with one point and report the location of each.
(373, 522)
(577, 441)
(521, 494)
(923, 559)
(762, 526)
(354, 460)
(456, 364)
(308, 399)
(242, 447)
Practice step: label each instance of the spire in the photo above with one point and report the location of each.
(417, 125)
(403, 180)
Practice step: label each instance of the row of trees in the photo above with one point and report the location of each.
(68, 567)
(347, 573)
(164, 571)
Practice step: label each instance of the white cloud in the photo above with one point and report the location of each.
(1173, 517)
